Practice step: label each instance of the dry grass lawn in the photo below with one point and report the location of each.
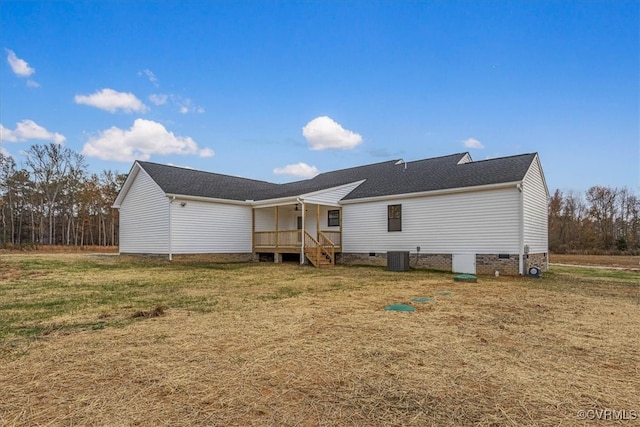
(264, 344)
(619, 261)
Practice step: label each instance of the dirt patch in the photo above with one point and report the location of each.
(156, 312)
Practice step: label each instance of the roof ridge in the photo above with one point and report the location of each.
(359, 166)
(499, 158)
(462, 153)
(206, 172)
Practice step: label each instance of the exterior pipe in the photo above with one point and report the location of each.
(171, 200)
(301, 232)
(521, 230)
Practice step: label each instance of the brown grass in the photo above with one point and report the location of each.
(290, 345)
(59, 249)
(621, 261)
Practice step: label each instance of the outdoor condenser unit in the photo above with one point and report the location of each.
(398, 261)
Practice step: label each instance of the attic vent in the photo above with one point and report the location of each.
(465, 159)
(401, 162)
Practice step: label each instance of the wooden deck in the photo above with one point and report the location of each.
(289, 241)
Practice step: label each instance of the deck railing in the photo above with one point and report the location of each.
(327, 247)
(292, 238)
(277, 239)
(333, 237)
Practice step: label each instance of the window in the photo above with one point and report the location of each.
(394, 218)
(333, 218)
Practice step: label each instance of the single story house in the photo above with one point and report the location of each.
(450, 213)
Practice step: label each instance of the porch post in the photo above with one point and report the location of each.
(340, 222)
(304, 227)
(277, 234)
(318, 222)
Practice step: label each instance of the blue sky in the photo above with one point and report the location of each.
(280, 91)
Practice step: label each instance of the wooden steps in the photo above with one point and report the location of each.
(320, 255)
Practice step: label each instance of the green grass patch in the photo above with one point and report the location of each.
(626, 277)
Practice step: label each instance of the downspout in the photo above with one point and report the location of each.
(521, 229)
(171, 200)
(302, 232)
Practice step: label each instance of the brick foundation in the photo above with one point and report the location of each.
(216, 258)
(441, 262)
(490, 263)
(426, 261)
(377, 259)
(485, 263)
(540, 260)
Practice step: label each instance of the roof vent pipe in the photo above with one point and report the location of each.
(401, 162)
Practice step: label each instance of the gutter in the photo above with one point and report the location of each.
(521, 251)
(302, 231)
(171, 200)
(209, 199)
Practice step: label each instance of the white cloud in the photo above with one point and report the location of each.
(28, 129)
(32, 83)
(472, 143)
(206, 152)
(323, 133)
(143, 139)
(185, 105)
(5, 152)
(152, 77)
(19, 66)
(110, 100)
(158, 98)
(299, 169)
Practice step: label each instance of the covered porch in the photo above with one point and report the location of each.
(295, 226)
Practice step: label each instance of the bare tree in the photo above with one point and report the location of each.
(602, 210)
(52, 166)
(7, 169)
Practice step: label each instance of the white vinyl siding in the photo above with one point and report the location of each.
(535, 210)
(144, 218)
(265, 218)
(474, 222)
(287, 217)
(205, 227)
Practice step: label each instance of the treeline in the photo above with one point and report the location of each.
(53, 200)
(603, 220)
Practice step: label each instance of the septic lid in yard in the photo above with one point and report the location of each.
(421, 300)
(466, 278)
(399, 307)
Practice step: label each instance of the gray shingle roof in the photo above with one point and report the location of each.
(189, 182)
(381, 179)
